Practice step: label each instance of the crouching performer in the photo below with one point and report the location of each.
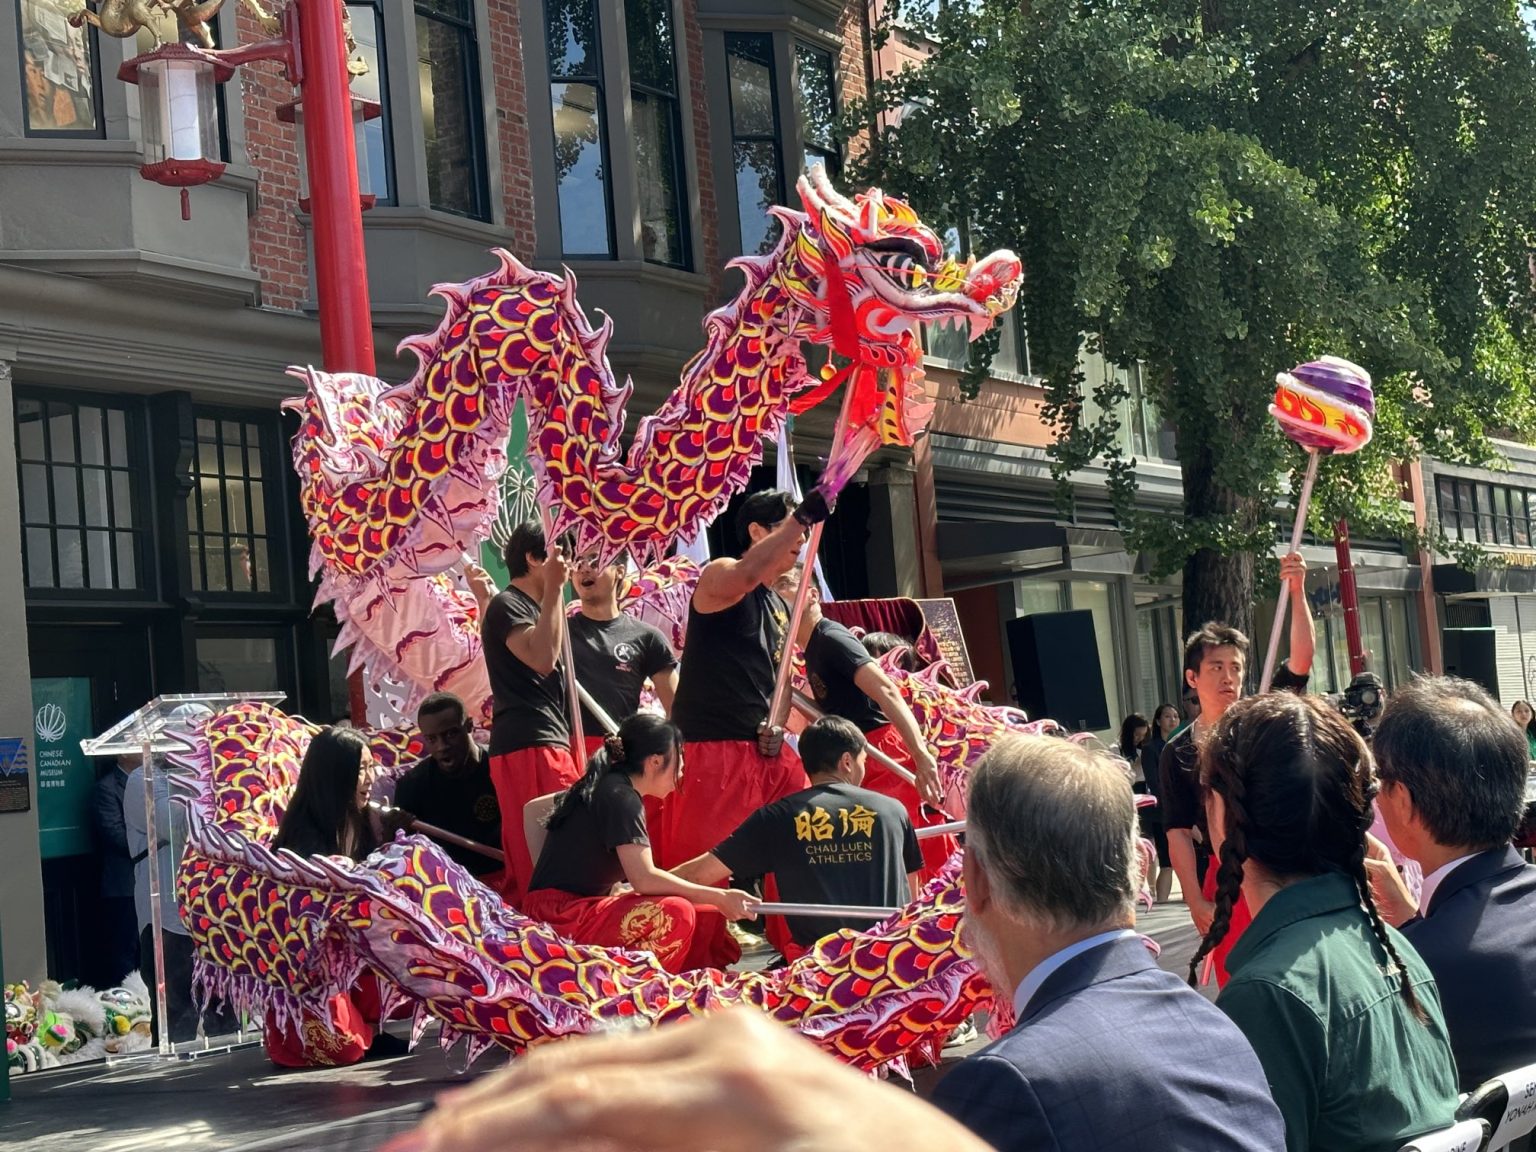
(595, 881)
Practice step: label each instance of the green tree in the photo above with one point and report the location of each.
(1222, 189)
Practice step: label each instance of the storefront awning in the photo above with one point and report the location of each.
(1003, 549)
(1453, 580)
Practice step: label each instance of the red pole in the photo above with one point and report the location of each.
(330, 155)
(1349, 599)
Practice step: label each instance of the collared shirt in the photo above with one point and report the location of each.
(1041, 972)
(1349, 1065)
(1433, 880)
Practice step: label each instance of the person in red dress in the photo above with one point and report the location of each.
(328, 816)
(847, 680)
(522, 630)
(595, 881)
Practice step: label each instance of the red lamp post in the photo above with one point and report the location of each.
(312, 47)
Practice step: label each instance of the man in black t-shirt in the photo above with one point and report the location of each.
(452, 787)
(736, 626)
(831, 843)
(1215, 661)
(522, 632)
(615, 654)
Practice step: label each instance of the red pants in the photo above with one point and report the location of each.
(683, 935)
(520, 777)
(342, 1039)
(1241, 918)
(879, 778)
(724, 782)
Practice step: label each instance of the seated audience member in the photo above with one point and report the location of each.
(1343, 1013)
(597, 838)
(831, 843)
(452, 788)
(1108, 1051)
(328, 816)
(733, 1080)
(1453, 773)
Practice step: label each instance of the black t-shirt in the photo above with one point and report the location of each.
(614, 658)
(529, 709)
(833, 656)
(581, 855)
(1179, 795)
(828, 844)
(463, 802)
(726, 683)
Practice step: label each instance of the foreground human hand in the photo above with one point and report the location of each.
(1293, 570)
(1201, 911)
(734, 904)
(479, 583)
(735, 1082)
(926, 769)
(1393, 900)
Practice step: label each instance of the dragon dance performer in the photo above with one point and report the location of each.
(522, 631)
(614, 653)
(736, 626)
(598, 838)
(452, 787)
(847, 681)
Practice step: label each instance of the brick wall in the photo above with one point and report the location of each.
(706, 249)
(509, 121)
(852, 63)
(278, 246)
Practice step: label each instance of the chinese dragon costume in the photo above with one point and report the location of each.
(400, 484)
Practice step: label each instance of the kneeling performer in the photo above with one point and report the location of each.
(597, 840)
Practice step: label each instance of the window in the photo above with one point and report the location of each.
(61, 90)
(227, 523)
(754, 138)
(368, 31)
(1502, 524)
(228, 663)
(1520, 523)
(79, 504)
(658, 132)
(1445, 494)
(816, 106)
(1466, 510)
(581, 148)
(449, 80)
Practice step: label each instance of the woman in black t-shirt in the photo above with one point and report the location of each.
(597, 841)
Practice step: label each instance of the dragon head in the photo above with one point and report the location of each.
(877, 269)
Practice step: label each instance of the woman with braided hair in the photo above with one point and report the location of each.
(1342, 1012)
(595, 881)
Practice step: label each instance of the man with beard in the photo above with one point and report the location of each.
(1051, 871)
(452, 787)
(614, 654)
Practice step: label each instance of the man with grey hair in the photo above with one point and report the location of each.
(1108, 1051)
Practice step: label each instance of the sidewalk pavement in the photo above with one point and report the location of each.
(237, 1101)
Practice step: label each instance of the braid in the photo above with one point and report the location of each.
(1229, 879)
(1363, 885)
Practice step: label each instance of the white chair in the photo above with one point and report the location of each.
(1508, 1104)
(535, 812)
(1467, 1136)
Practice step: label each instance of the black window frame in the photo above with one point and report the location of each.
(136, 470)
(275, 521)
(385, 118)
(93, 42)
(776, 140)
(598, 83)
(674, 121)
(433, 11)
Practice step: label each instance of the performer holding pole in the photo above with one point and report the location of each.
(524, 636)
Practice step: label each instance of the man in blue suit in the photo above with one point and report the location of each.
(1453, 767)
(1109, 1053)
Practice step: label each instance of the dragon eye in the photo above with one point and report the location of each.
(900, 246)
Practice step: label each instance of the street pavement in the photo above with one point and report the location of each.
(237, 1101)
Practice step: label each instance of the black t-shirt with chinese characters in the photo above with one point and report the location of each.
(613, 659)
(726, 682)
(581, 856)
(529, 709)
(1179, 795)
(463, 802)
(828, 844)
(833, 656)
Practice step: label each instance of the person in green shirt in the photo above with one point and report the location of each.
(1344, 1015)
(1525, 717)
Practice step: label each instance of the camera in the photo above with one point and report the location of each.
(1361, 702)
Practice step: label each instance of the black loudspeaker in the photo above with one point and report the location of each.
(1056, 672)
(1472, 654)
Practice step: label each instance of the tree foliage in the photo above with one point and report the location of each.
(1221, 189)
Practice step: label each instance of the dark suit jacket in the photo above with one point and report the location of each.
(1478, 937)
(1115, 1055)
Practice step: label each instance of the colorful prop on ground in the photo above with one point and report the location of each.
(54, 1026)
(274, 932)
(1326, 406)
(399, 484)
